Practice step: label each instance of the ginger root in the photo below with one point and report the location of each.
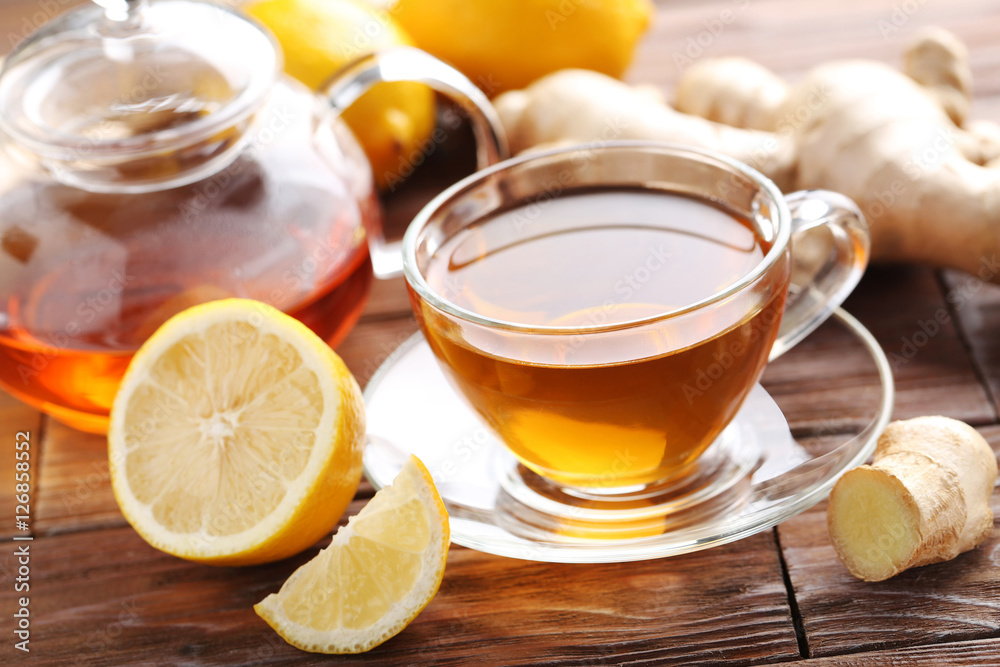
(897, 143)
(579, 106)
(925, 499)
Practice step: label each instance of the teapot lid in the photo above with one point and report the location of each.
(118, 81)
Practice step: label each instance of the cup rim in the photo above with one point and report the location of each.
(417, 281)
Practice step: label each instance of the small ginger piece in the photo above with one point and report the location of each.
(924, 499)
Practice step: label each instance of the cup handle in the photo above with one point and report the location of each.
(838, 271)
(411, 64)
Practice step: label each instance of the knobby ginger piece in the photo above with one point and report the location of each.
(925, 499)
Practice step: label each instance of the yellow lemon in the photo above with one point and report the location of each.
(379, 572)
(507, 44)
(392, 121)
(236, 436)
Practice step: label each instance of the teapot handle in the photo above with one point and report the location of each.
(411, 64)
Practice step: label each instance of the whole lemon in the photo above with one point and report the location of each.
(507, 44)
(392, 121)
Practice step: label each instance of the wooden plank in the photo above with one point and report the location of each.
(978, 653)
(829, 382)
(933, 377)
(951, 601)
(144, 607)
(976, 307)
(846, 397)
(370, 341)
(388, 299)
(75, 482)
(15, 418)
(370, 344)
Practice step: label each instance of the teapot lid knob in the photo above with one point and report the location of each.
(121, 10)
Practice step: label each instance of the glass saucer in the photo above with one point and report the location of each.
(753, 476)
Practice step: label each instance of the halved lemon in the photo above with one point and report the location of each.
(379, 572)
(236, 436)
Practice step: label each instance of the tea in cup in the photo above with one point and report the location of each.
(606, 310)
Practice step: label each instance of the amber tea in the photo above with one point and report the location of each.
(597, 259)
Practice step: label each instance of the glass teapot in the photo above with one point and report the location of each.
(155, 158)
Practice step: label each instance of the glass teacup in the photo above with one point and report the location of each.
(607, 309)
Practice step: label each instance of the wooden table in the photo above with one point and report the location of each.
(100, 596)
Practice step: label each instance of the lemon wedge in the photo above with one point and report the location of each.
(236, 436)
(378, 573)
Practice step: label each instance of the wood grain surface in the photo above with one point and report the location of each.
(980, 653)
(101, 596)
(119, 602)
